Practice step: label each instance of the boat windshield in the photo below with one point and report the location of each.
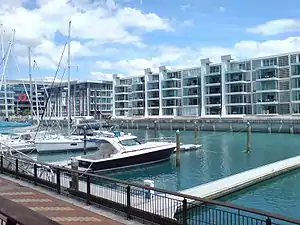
(130, 142)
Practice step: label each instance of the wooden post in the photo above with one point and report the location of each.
(74, 181)
(155, 129)
(84, 140)
(291, 129)
(177, 148)
(248, 144)
(195, 133)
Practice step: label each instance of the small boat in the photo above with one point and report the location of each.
(123, 151)
(17, 142)
(74, 142)
(59, 143)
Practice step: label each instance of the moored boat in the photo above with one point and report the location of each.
(124, 151)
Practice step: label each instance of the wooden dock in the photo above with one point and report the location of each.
(227, 185)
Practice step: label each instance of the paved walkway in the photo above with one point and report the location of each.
(58, 210)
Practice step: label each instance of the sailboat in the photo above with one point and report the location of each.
(70, 142)
(3, 63)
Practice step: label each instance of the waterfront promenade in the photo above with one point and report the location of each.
(54, 207)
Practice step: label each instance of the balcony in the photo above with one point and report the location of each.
(138, 88)
(190, 92)
(213, 90)
(215, 100)
(171, 103)
(267, 99)
(296, 70)
(153, 86)
(190, 82)
(173, 76)
(171, 84)
(268, 74)
(236, 77)
(267, 86)
(213, 80)
(153, 95)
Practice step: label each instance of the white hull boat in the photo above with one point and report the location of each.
(124, 151)
(63, 144)
(16, 142)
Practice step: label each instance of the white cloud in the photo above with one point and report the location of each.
(222, 9)
(274, 27)
(190, 57)
(187, 23)
(185, 6)
(97, 23)
(101, 76)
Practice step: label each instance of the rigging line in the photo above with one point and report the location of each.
(60, 84)
(50, 92)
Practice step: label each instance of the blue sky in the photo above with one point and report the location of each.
(127, 36)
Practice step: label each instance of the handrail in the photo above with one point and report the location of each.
(18, 214)
(177, 194)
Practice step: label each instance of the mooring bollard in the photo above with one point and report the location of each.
(248, 144)
(74, 181)
(195, 133)
(177, 148)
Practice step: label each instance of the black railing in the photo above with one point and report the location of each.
(135, 200)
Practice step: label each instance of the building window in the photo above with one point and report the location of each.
(214, 69)
(270, 62)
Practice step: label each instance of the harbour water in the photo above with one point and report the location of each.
(221, 155)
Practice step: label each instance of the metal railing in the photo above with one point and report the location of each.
(144, 202)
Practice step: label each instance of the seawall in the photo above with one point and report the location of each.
(265, 125)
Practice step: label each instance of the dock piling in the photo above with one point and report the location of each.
(248, 144)
(269, 128)
(155, 129)
(84, 140)
(195, 133)
(291, 129)
(177, 148)
(171, 124)
(74, 183)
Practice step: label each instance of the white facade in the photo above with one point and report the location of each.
(260, 86)
(88, 98)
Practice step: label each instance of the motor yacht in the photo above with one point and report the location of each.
(122, 151)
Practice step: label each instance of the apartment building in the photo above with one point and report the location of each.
(89, 98)
(15, 89)
(259, 86)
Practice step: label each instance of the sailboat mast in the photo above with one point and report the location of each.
(30, 83)
(69, 80)
(2, 41)
(2, 52)
(4, 75)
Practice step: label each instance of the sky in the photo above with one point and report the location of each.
(127, 36)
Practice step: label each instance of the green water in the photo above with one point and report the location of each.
(222, 154)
